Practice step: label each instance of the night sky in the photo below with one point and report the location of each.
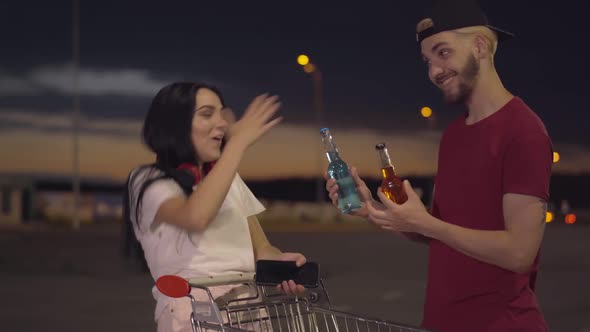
(374, 79)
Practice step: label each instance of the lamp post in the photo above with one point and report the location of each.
(318, 104)
(427, 113)
(75, 114)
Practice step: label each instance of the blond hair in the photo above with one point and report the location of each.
(488, 35)
(424, 24)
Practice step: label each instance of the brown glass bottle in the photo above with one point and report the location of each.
(391, 184)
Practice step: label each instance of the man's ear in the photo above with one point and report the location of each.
(481, 47)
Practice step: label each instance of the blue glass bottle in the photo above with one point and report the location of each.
(348, 198)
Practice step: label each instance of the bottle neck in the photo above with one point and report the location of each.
(387, 169)
(330, 147)
(384, 159)
(332, 155)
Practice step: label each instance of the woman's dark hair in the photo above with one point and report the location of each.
(167, 126)
(167, 132)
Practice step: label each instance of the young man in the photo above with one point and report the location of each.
(491, 190)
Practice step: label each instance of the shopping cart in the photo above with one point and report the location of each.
(268, 309)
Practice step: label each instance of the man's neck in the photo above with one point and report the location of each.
(488, 97)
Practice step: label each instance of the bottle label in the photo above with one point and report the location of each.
(346, 185)
(348, 198)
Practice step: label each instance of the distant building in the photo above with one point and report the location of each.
(16, 200)
(28, 197)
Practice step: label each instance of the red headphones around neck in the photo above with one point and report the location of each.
(195, 171)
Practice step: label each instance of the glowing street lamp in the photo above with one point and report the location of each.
(556, 157)
(302, 59)
(426, 112)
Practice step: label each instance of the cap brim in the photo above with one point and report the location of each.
(502, 34)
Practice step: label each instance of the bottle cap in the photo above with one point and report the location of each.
(380, 146)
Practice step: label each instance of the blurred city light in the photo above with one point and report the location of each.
(555, 157)
(309, 68)
(426, 112)
(303, 59)
(570, 218)
(549, 216)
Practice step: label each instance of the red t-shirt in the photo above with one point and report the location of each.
(507, 152)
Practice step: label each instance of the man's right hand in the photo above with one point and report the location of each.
(362, 189)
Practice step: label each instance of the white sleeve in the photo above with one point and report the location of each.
(156, 194)
(250, 204)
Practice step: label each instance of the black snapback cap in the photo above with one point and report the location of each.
(455, 14)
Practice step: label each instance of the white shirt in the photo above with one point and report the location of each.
(224, 247)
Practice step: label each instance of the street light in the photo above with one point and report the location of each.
(318, 101)
(426, 112)
(303, 59)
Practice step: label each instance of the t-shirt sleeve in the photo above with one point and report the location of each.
(527, 166)
(156, 194)
(250, 204)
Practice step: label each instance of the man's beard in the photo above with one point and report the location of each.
(466, 79)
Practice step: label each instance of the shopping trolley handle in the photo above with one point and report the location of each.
(238, 278)
(175, 286)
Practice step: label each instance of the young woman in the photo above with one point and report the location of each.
(190, 210)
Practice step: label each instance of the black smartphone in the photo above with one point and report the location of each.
(271, 273)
